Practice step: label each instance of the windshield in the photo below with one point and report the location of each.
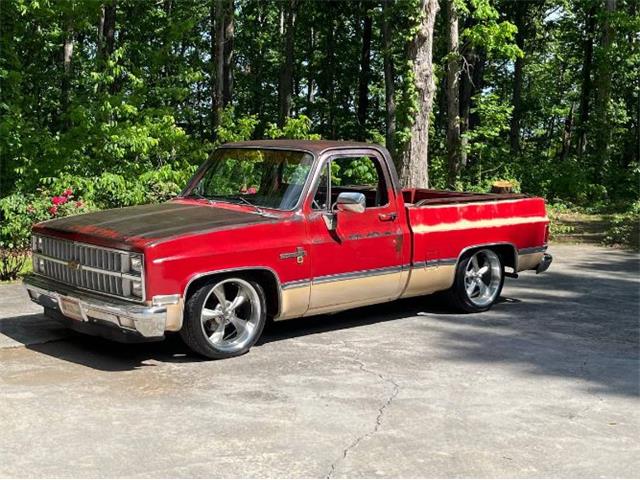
(262, 178)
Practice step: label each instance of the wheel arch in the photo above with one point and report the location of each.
(507, 252)
(265, 276)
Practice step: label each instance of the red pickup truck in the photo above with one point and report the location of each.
(279, 229)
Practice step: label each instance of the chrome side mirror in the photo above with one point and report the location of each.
(351, 202)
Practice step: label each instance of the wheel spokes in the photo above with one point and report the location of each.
(231, 302)
(238, 301)
(471, 286)
(241, 325)
(474, 262)
(218, 334)
(218, 291)
(210, 314)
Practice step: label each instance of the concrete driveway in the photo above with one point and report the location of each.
(544, 385)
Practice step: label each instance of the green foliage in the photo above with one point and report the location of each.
(295, 128)
(18, 213)
(130, 125)
(625, 228)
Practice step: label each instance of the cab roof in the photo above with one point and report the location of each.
(314, 146)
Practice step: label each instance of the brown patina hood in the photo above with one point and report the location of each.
(134, 227)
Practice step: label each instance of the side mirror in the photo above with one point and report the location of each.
(351, 202)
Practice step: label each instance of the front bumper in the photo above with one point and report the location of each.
(92, 313)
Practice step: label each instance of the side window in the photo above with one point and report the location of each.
(320, 200)
(359, 174)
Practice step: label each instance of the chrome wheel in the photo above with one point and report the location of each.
(483, 278)
(230, 315)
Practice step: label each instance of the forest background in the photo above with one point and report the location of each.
(115, 103)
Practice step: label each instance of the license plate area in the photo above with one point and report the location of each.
(71, 308)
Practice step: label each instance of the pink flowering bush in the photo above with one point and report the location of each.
(18, 213)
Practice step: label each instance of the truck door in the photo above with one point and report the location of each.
(360, 261)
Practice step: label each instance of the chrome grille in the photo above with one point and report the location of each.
(85, 255)
(86, 266)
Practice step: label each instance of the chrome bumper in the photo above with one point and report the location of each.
(87, 310)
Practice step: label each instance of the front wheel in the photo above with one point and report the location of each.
(224, 318)
(478, 283)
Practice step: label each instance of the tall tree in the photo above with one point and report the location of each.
(67, 55)
(229, 32)
(415, 159)
(454, 146)
(518, 75)
(285, 86)
(389, 82)
(603, 87)
(587, 64)
(365, 68)
(107, 29)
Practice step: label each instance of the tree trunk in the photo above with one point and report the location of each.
(217, 30)
(454, 158)
(587, 64)
(516, 101)
(389, 83)
(567, 133)
(331, 94)
(285, 90)
(109, 27)
(603, 89)
(415, 161)
(229, 32)
(311, 68)
(363, 82)
(67, 55)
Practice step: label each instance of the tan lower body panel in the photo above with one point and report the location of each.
(425, 280)
(294, 302)
(354, 292)
(529, 261)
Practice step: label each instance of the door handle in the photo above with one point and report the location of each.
(388, 217)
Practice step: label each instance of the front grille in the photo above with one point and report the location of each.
(86, 255)
(87, 267)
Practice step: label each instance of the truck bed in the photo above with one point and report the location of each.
(422, 196)
(445, 223)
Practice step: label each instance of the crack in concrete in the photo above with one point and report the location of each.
(379, 417)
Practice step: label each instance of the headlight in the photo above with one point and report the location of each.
(136, 288)
(136, 264)
(36, 243)
(38, 264)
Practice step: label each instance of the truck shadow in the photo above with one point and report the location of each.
(579, 323)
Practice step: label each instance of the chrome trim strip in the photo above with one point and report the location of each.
(305, 282)
(437, 262)
(529, 250)
(357, 274)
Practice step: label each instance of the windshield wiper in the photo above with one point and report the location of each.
(241, 198)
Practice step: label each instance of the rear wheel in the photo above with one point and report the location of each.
(478, 283)
(224, 318)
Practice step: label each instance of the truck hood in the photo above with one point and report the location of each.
(135, 227)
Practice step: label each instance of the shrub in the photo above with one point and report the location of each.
(18, 213)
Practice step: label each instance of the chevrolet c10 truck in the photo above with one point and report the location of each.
(279, 229)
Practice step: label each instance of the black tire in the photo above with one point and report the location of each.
(458, 296)
(193, 330)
